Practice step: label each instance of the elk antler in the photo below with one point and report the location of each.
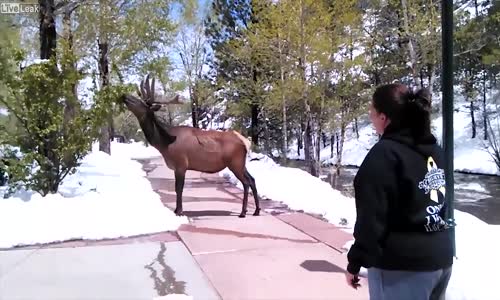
(147, 94)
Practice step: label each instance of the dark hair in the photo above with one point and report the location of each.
(405, 109)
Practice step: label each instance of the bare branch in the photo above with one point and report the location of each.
(67, 6)
(470, 50)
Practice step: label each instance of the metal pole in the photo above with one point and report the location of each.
(447, 105)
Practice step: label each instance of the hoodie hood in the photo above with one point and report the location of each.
(425, 145)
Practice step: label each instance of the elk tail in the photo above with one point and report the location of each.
(246, 142)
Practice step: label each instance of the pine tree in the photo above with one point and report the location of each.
(236, 76)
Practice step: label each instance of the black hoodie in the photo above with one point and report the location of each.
(400, 203)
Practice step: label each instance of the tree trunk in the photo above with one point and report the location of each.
(308, 140)
(432, 78)
(284, 128)
(255, 110)
(47, 33)
(191, 85)
(255, 124)
(341, 148)
(473, 119)
(170, 118)
(266, 138)
(194, 106)
(309, 151)
(300, 141)
(70, 105)
(106, 129)
(48, 44)
(318, 147)
(376, 76)
(338, 164)
(332, 142)
(485, 111)
(411, 48)
(356, 128)
(337, 142)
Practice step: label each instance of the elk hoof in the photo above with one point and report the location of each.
(257, 212)
(178, 212)
(242, 215)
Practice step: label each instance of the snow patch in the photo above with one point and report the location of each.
(108, 197)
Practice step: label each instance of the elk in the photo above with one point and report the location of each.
(186, 148)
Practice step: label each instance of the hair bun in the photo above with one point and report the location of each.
(423, 97)
(411, 96)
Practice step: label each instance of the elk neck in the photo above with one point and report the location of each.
(156, 133)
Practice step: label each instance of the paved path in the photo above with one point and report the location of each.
(278, 255)
(122, 271)
(281, 255)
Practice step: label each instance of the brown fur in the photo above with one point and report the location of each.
(207, 151)
(186, 148)
(245, 141)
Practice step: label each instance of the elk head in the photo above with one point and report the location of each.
(147, 104)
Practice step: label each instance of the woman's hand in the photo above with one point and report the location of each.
(352, 280)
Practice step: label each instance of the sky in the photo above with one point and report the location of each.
(31, 31)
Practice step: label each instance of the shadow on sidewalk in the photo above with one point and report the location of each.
(216, 231)
(208, 213)
(321, 266)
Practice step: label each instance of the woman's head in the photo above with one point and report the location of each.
(397, 107)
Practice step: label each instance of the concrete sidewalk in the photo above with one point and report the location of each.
(278, 255)
(135, 271)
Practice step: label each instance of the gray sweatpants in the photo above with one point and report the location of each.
(405, 285)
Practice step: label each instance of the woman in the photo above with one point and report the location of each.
(400, 233)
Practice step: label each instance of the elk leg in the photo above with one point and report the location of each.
(179, 187)
(254, 192)
(241, 177)
(245, 200)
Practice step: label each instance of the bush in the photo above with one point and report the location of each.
(46, 145)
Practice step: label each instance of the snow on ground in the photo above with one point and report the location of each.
(135, 150)
(108, 197)
(476, 252)
(297, 189)
(473, 273)
(354, 149)
(471, 186)
(471, 155)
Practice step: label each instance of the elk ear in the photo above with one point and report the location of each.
(155, 107)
